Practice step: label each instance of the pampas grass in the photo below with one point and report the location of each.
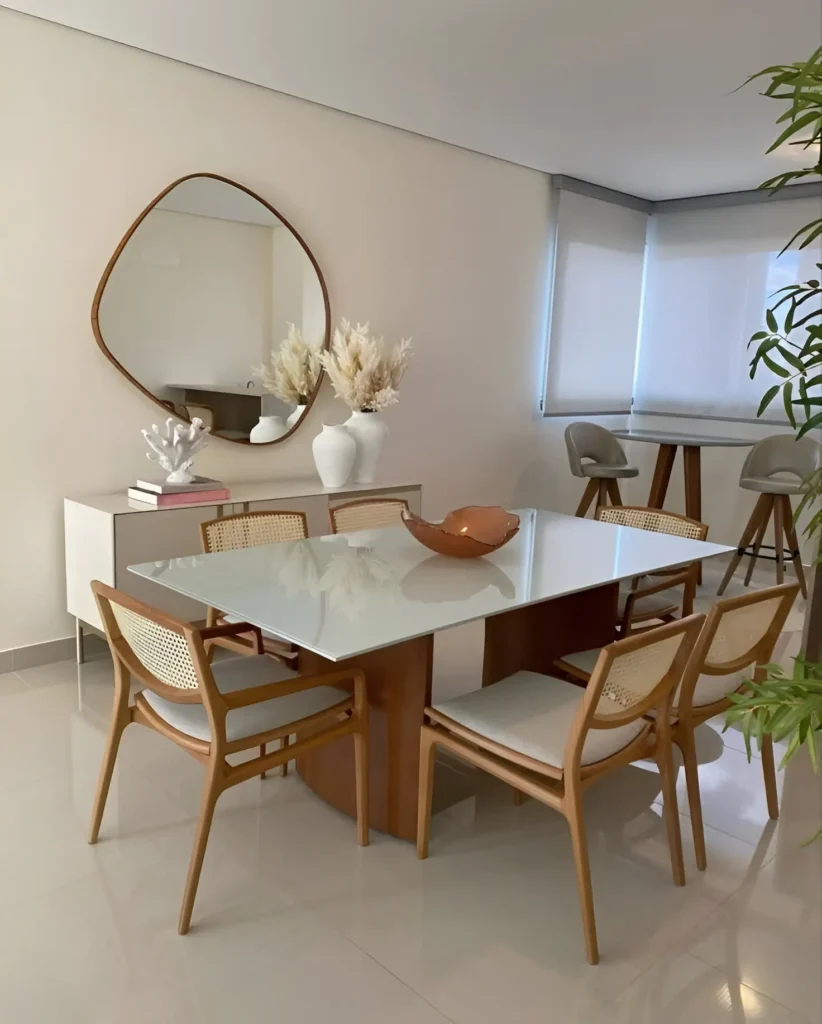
(363, 370)
(293, 369)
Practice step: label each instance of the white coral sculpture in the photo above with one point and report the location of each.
(293, 368)
(174, 448)
(364, 371)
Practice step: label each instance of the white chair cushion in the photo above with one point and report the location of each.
(533, 714)
(707, 690)
(241, 673)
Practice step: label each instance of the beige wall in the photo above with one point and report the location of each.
(419, 237)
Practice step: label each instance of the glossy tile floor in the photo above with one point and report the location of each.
(294, 923)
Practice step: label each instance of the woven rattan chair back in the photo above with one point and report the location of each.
(370, 514)
(654, 520)
(252, 529)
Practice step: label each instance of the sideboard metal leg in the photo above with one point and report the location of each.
(78, 639)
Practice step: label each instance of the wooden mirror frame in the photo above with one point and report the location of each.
(101, 287)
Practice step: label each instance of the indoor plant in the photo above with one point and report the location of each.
(365, 374)
(790, 706)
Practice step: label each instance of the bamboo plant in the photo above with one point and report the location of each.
(788, 706)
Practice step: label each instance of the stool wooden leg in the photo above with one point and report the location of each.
(760, 536)
(762, 508)
(778, 539)
(790, 535)
(602, 496)
(590, 493)
(613, 492)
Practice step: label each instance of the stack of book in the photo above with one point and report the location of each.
(165, 495)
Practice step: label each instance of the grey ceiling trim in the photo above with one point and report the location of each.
(811, 190)
(608, 195)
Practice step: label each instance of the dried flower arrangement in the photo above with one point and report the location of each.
(293, 369)
(363, 370)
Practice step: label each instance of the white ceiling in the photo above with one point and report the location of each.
(634, 94)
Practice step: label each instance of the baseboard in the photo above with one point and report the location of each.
(17, 658)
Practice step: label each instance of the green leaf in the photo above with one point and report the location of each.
(770, 320)
(791, 359)
(780, 371)
(787, 394)
(793, 128)
(814, 421)
(768, 397)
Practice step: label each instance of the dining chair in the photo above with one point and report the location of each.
(550, 739)
(776, 468)
(595, 453)
(739, 635)
(216, 709)
(656, 596)
(368, 514)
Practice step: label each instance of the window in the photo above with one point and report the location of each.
(592, 336)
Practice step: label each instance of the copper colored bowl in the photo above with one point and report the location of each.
(465, 532)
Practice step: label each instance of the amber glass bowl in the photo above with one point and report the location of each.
(466, 532)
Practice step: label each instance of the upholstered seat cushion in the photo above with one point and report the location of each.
(533, 714)
(772, 484)
(663, 601)
(707, 690)
(239, 674)
(600, 471)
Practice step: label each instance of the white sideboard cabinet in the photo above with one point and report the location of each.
(106, 533)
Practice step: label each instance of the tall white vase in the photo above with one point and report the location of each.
(295, 416)
(269, 428)
(369, 430)
(334, 453)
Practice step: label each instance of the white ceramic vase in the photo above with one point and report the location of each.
(368, 430)
(334, 453)
(295, 416)
(269, 428)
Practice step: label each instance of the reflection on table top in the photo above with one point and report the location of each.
(686, 440)
(343, 595)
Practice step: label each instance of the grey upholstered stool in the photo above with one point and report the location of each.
(780, 454)
(608, 463)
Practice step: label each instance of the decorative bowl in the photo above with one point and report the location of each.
(466, 532)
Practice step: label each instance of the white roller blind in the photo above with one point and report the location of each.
(708, 280)
(592, 341)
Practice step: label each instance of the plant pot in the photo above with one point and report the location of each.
(334, 453)
(268, 429)
(295, 416)
(368, 429)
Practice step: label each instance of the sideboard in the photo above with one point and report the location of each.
(106, 533)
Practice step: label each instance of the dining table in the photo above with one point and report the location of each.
(375, 599)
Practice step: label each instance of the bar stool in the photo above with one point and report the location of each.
(608, 464)
(781, 453)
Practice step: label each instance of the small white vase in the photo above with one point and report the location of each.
(268, 429)
(295, 416)
(334, 453)
(369, 430)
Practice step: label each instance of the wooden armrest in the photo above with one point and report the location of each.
(233, 629)
(673, 580)
(268, 691)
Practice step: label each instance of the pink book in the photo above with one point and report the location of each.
(181, 498)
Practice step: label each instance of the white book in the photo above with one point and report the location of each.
(199, 483)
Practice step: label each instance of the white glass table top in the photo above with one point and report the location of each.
(344, 595)
(685, 440)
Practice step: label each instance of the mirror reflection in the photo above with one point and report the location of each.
(207, 284)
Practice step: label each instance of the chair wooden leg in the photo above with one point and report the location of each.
(579, 842)
(519, 798)
(588, 496)
(262, 754)
(769, 773)
(778, 539)
(284, 742)
(790, 535)
(760, 536)
(211, 792)
(685, 742)
(426, 791)
(670, 809)
(760, 509)
(602, 495)
(613, 492)
(120, 718)
(361, 783)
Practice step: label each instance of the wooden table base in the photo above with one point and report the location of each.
(399, 688)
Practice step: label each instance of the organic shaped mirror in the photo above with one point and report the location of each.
(204, 285)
